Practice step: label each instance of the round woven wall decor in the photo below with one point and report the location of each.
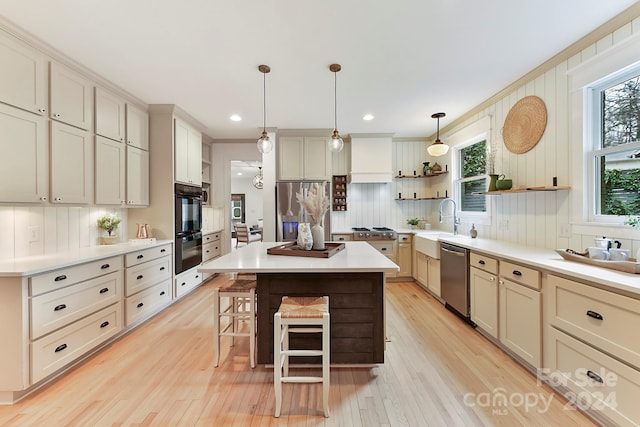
(525, 124)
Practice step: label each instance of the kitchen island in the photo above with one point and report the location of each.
(353, 279)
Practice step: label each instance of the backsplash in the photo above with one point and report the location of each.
(31, 231)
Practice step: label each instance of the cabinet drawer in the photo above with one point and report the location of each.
(142, 276)
(68, 276)
(602, 382)
(210, 251)
(56, 309)
(144, 255)
(186, 282)
(600, 317)
(405, 238)
(146, 302)
(211, 237)
(518, 273)
(484, 262)
(342, 237)
(62, 347)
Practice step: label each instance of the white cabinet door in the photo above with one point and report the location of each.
(422, 269)
(290, 160)
(317, 158)
(434, 276)
(404, 259)
(188, 154)
(23, 143)
(137, 177)
(70, 97)
(24, 76)
(484, 300)
(520, 321)
(110, 115)
(70, 158)
(109, 171)
(137, 127)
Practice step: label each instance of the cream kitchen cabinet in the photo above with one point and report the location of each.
(70, 99)
(187, 281)
(110, 173)
(137, 177)
(188, 154)
(110, 115)
(304, 157)
(405, 248)
(520, 311)
(23, 143)
(428, 272)
(137, 122)
(24, 76)
(72, 311)
(346, 237)
(71, 174)
(211, 248)
(434, 276)
(483, 275)
(589, 347)
(147, 282)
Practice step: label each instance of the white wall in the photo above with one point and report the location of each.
(253, 197)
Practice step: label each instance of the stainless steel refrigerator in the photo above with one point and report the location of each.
(289, 213)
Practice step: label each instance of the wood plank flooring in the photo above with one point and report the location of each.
(437, 372)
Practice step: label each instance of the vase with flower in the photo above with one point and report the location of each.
(316, 203)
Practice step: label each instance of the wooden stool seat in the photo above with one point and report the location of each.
(296, 315)
(242, 307)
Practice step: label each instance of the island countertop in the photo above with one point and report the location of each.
(253, 258)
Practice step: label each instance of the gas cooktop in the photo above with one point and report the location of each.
(374, 233)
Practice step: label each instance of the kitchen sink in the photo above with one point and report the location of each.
(428, 242)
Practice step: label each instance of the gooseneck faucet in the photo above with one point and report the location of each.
(456, 220)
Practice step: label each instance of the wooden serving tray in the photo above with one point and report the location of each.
(292, 249)
(630, 266)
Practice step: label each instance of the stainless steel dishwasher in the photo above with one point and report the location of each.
(454, 278)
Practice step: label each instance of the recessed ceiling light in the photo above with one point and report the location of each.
(367, 117)
(235, 118)
(239, 173)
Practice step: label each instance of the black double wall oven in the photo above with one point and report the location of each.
(188, 214)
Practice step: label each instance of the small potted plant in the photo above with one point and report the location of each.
(413, 222)
(108, 222)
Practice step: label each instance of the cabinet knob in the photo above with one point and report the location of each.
(56, 115)
(42, 110)
(44, 198)
(491, 279)
(58, 199)
(500, 282)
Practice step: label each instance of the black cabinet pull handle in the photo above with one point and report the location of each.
(140, 256)
(104, 266)
(183, 283)
(104, 324)
(140, 305)
(60, 347)
(104, 290)
(140, 276)
(59, 278)
(517, 273)
(595, 377)
(161, 268)
(163, 251)
(162, 293)
(60, 307)
(383, 249)
(481, 262)
(198, 276)
(595, 315)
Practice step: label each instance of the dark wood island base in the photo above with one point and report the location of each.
(356, 304)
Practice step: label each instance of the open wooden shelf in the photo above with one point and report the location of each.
(429, 175)
(523, 190)
(423, 198)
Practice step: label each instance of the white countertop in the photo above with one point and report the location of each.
(28, 266)
(545, 259)
(253, 258)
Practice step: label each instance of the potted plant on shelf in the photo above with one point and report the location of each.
(108, 222)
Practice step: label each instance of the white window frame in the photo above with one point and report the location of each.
(476, 132)
(584, 129)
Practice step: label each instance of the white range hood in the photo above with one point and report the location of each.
(371, 158)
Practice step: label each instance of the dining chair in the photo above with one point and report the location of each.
(244, 236)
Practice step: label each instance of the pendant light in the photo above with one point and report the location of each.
(335, 143)
(437, 148)
(258, 180)
(265, 145)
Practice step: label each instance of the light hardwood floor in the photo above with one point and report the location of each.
(437, 372)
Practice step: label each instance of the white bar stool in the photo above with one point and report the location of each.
(242, 307)
(300, 311)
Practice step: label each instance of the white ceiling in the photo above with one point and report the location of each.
(401, 60)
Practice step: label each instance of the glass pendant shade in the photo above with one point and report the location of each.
(437, 149)
(336, 144)
(264, 143)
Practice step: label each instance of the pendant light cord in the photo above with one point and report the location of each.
(264, 102)
(335, 100)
